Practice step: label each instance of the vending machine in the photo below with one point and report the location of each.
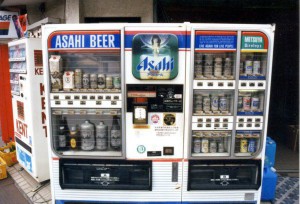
(28, 101)
(227, 103)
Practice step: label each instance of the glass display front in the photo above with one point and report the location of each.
(211, 143)
(251, 102)
(85, 72)
(17, 58)
(90, 132)
(247, 142)
(253, 65)
(219, 65)
(213, 102)
(14, 83)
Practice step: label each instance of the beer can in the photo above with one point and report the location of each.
(78, 78)
(101, 81)
(221, 147)
(208, 70)
(256, 67)
(109, 82)
(246, 103)
(243, 146)
(213, 147)
(254, 103)
(218, 67)
(117, 82)
(93, 81)
(86, 81)
(204, 145)
(252, 146)
(206, 103)
(227, 67)
(248, 67)
(214, 102)
(240, 102)
(208, 59)
(197, 145)
(223, 103)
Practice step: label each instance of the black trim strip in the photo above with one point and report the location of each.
(25, 146)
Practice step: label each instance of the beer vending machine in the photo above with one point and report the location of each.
(228, 89)
(160, 113)
(28, 100)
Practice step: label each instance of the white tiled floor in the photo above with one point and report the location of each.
(27, 185)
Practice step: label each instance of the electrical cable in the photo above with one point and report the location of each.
(43, 186)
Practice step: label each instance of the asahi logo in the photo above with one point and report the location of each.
(148, 64)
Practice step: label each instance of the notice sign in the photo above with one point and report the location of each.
(254, 41)
(213, 40)
(9, 23)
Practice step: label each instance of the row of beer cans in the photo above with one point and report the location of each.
(211, 102)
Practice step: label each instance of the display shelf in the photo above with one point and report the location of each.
(86, 112)
(87, 91)
(15, 93)
(92, 153)
(20, 71)
(14, 82)
(17, 59)
(224, 154)
(247, 154)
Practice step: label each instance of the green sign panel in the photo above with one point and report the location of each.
(252, 42)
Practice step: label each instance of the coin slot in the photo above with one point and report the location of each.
(100, 97)
(70, 102)
(82, 102)
(200, 84)
(67, 97)
(57, 102)
(84, 97)
(220, 84)
(92, 97)
(210, 84)
(243, 84)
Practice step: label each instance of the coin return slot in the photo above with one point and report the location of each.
(200, 84)
(67, 97)
(225, 125)
(84, 97)
(243, 84)
(70, 102)
(200, 120)
(116, 97)
(249, 120)
(98, 102)
(108, 97)
(210, 84)
(92, 97)
(241, 120)
(199, 125)
(82, 102)
(114, 103)
(208, 120)
(56, 97)
(220, 84)
(208, 125)
(257, 120)
(240, 125)
(100, 97)
(260, 84)
(76, 97)
(217, 125)
(230, 84)
(251, 84)
(257, 125)
(249, 125)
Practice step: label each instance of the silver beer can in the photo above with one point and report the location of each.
(204, 146)
(93, 81)
(86, 81)
(197, 145)
(213, 147)
(227, 67)
(206, 103)
(78, 78)
(214, 102)
(218, 67)
(249, 67)
(101, 81)
(117, 82)
(223, 103)
(254, 103)
(109, 82)
(221, 147)
(256, 67)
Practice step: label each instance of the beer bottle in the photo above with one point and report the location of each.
(115, 134)
(62, 142)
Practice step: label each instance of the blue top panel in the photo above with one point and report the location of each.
(215, 42)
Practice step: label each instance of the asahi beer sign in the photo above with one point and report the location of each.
(155, 56)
